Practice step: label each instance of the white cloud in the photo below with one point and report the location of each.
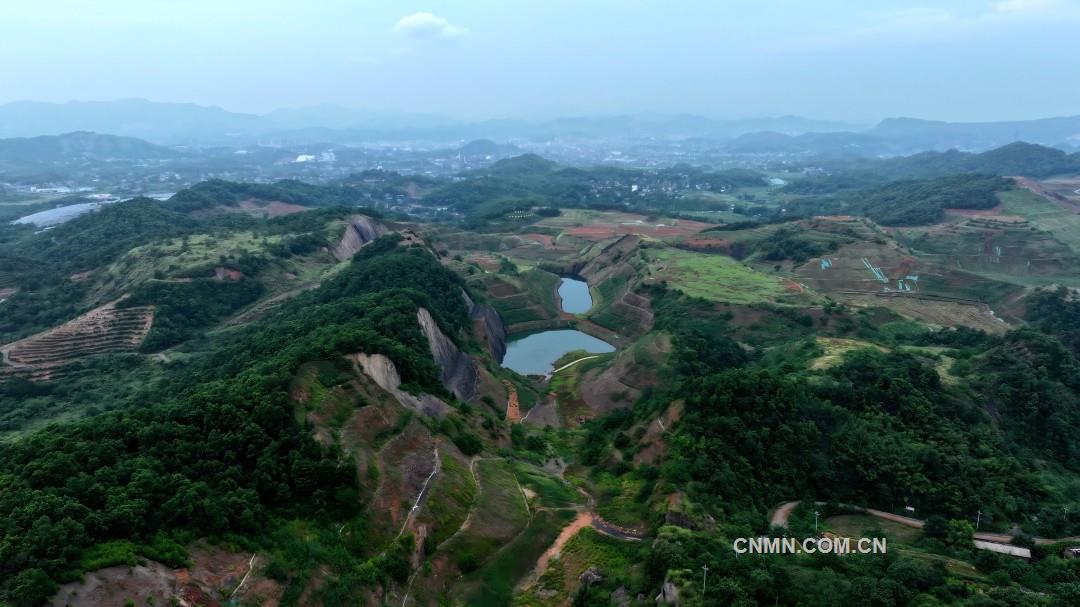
(427, 25)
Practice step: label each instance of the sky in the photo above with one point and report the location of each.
(856, 61)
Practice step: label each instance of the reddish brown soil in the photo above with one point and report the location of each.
(513, 408)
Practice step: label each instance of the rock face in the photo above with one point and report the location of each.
(669, 595)
(359, 231)
(382, 370)
(591, 576)
(490, 326)
(459, 374)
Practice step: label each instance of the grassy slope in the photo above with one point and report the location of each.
(715, 277)
(1064, 225)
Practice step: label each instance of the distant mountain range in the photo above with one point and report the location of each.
(897, 136)
(79, 146)
(181, 124)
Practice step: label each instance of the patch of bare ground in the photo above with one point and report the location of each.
(216, 577)
(513, 408)
(654, 445)
(405, 465)
(102, 330)
(582, 520)
(544, 415)
(635, 369)
(261, 308)
(1067, 200)
(936, 312)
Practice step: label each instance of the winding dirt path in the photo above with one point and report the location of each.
(420, 496)
(584, 519)
(573, 362)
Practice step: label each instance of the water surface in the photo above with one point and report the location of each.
(575, 296)
(536, 354)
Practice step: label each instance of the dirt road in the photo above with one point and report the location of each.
(779, 518)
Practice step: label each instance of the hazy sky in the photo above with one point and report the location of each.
(850, 60)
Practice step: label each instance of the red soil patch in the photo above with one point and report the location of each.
(513, 407)
(793, 286)
(80, 276)
(583, 520)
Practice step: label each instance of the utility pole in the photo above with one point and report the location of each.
(816, 513)
(704, 576)
(978, 519)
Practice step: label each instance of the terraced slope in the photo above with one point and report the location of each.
(102, 330)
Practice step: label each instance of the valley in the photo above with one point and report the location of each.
(329, 404)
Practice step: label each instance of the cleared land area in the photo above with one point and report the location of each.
(715, 277)
(102, 330)
(1062, 223)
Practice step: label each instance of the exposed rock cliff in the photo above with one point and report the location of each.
(489, 327)
(359, 231)
(459, 373)
(382, 370)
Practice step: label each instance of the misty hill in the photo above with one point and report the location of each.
(931, 134)
(526, 164)
(487, 147)
(153, 121)
(78, 146)
(897, 136)
(190, 123)
(838, 143)
(185, 123)
(1018, 158)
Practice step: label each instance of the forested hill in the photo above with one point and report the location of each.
(76, 146)
(1018, 158)
(218, 449)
